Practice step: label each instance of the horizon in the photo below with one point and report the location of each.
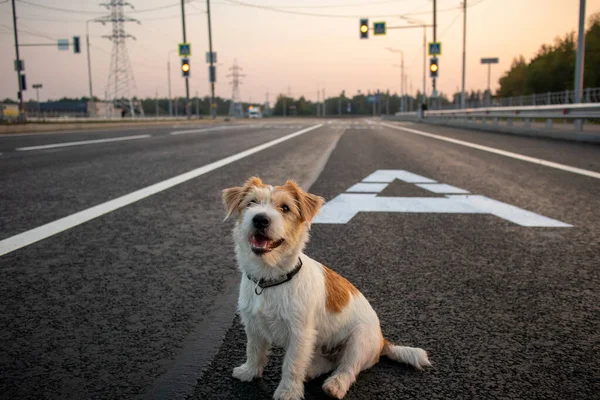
(277, 48)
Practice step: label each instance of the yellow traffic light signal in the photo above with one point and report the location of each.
(434, 67)
(185, 67)
(364, 28)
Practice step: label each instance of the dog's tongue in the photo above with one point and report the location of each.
(259, 241)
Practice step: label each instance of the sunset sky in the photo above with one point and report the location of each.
(277, 49)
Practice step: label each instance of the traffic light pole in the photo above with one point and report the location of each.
(213, 111)
(434, 92)
(14, 13)
(464, 55)
(580, 54)
(187, 82)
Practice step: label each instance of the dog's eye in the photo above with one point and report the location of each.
(251, 202)
(285, 208)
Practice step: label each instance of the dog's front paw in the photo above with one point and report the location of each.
(289, 392)
(245, 374)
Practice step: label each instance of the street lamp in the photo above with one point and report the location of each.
(87, 39)
(169, 81)
(401, 75)
(37, 87)
(424, 25)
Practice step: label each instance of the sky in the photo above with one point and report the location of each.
(284, 51)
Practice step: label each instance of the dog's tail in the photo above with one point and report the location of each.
(409, 355)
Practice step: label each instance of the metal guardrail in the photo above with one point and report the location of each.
(532, 120)
(560, 111)
(589, 95)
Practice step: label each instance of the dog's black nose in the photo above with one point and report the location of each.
(260, 221)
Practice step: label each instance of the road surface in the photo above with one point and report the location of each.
(119, 280)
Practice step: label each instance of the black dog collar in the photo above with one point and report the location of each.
(263, 284)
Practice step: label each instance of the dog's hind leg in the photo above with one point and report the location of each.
(362, 352)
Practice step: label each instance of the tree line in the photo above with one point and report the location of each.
(552, 69)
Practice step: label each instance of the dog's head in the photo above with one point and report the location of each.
(273, 221)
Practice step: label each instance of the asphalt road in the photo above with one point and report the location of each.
(140, 302)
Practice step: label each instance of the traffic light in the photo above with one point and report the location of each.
(433, 67)
(76, 45)
(364, 28)
(185, 67)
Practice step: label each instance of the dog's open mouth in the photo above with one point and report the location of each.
(261, 244)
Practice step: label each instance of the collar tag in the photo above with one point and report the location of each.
(262, 284)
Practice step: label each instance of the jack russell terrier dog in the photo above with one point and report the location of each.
(288, 299)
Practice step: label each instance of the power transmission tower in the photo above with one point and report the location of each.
(120, 87)
(235, 107)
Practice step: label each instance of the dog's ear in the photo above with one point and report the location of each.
(308, 204)
(232, 197)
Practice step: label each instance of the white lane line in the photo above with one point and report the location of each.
(42, 232)
(216, 128)
(82, 142)
(517, 156)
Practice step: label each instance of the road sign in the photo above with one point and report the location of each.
(489, 60)
(185, 49)
(214, 57)
(37, 86)
(19, 65)
(378, 28)
(372, 99)
(435, 48)
(363, 197)
(63, 44)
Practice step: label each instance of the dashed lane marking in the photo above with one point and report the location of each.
(42, 232)
(82, 142)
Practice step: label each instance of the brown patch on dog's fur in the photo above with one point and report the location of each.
(233, 197)
(337, 290)
(307, 204)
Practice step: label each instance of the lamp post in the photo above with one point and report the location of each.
(37, 87)
(422, 24)
(169, 81)
(401, 75)
(87, 46)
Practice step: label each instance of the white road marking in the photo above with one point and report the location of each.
(345, 206)
(388, 175)
(441, 188)
(216, 128)
(82, 142)
(342, 208)
(42, 232)
(517, 156)
(367, 187)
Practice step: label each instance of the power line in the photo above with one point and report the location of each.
(346, 5)
(309, 14)
(75, 11)
(450, 25)
(59, 9)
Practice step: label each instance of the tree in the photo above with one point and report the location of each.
(552, 69)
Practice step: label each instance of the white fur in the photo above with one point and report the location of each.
(294, 316)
